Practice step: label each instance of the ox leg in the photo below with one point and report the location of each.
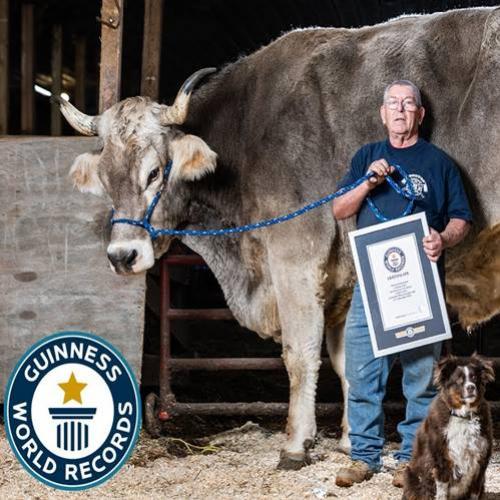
(302, 333)
(335, 346)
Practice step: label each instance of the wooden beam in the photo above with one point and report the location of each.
(80, 72)
(151, 48)
(4, 66)
(27, 69)
(55, 114)
(111, 53)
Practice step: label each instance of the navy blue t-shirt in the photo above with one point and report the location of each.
(435, 178)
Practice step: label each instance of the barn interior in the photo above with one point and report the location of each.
(196, 34)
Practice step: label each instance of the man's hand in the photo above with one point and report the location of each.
(433, 245)
(349, 203)
(453, 233)
(382, 169)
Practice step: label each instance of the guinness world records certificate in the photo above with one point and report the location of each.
(400, 286)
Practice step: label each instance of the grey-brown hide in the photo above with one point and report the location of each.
(285, 122)
(299, 108)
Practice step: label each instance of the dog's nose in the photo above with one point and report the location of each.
(470, 388)
(123, 259)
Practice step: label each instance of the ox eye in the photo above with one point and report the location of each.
(153, 175)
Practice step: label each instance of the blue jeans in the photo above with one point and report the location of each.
(367, 377)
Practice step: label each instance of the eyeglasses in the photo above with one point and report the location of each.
(408, 104)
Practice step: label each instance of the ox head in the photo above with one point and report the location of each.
(139, 137)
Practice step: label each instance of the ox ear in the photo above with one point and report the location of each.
(84, 174)
(191, 158)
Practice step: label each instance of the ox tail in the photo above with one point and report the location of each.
(473, 279)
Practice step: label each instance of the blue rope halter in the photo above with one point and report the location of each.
(155, 233)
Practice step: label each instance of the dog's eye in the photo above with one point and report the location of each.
(473, 378)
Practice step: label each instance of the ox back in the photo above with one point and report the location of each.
(286, 120)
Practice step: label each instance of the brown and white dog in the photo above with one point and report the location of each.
(453, 445)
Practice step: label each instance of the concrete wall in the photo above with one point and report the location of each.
(54, 274)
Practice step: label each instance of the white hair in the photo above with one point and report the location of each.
(405, 83)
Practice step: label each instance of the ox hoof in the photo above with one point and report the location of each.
(293, 461)
(344, 445)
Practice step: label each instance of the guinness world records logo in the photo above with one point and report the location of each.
(72, 410)
(394, 259)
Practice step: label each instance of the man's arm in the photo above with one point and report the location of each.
(455, 231)
(349, 204)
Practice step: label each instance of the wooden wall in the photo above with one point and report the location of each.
(54, 274)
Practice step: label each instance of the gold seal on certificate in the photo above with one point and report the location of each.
(400, 286)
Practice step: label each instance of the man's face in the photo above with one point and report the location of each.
(400, 113)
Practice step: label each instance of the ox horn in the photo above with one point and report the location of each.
(177, 113)
(85, 124)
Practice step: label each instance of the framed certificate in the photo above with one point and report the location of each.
(400, 286)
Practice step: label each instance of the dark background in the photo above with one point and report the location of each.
(196, 34)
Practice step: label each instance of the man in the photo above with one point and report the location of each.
(440, 193)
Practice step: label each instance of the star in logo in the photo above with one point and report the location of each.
(72, 389)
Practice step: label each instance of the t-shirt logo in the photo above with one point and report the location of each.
(420, 188)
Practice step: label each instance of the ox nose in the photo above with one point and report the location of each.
(123, 259)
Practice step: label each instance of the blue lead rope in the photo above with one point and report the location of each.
(155, 233)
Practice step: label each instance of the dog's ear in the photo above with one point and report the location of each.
(444, 369)
(485, 368)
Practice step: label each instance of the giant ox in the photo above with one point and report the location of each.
(275, 130)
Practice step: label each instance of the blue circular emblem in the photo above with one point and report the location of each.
(419, 186)
(72, 410)
(394, 259)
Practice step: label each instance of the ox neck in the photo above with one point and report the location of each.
(213, 201)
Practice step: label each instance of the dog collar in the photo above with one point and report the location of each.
(468, 416)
